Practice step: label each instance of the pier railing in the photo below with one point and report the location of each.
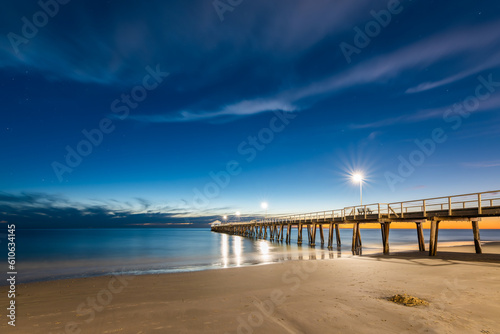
(448, 205)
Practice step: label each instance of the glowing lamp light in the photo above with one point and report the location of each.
(357, 177)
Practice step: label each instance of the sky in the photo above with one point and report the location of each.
(176, 113)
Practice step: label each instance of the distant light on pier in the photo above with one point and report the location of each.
(264, 206)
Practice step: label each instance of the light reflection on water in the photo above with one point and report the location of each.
(224, 249)
(238, 249)
(52, 254)
(264, 250)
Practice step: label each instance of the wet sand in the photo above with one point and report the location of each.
(342, 295)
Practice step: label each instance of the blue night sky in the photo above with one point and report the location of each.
(129, 113)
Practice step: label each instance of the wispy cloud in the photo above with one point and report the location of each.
(482, 164)
(429, 51)
(493, 62)
(373, 135)
(492, 104)
(243, 108)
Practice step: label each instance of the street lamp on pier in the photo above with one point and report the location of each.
(357, 177)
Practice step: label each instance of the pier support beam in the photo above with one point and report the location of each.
(299, 234)
(385, 227)
(434, 237)
(321, 234)
(289, 233)
(420, 236)
(337, 233)
(356, 239)
(477, 239)
(359, 236)
(330, 235)
(313, 235)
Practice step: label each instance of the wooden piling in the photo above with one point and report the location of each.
(299, 234)
(385, 227)
(477, 239)
(358, 235)
(337, 233)
(289, 233)
(420, 236)
(321, 234)
(330, 235)
(356, 238)
(313, 235)
(434, 238)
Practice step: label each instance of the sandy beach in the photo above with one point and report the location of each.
(341, 295)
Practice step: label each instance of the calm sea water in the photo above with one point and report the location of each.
(55, 254)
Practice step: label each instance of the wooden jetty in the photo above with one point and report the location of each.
(467, 207)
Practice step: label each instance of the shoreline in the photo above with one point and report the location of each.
(346, 294)
(307, 253)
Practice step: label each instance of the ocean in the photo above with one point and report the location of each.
(49, 254)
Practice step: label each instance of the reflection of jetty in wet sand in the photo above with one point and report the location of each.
(468, 207)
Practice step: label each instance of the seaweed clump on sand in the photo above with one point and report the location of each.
(407, 300)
